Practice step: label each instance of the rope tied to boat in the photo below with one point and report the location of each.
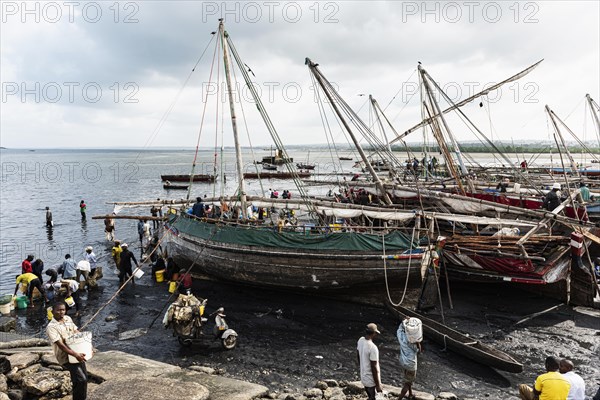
(387, 287)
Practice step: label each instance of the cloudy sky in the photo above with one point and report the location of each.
(115, 74)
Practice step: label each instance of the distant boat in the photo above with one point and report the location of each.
(305, 166)
(346, 158)
(186, 178)
(269, 167)
(277, 158)
(275, 175)
(175, 187)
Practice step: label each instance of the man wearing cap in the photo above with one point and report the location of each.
(90, 257)
(125, 267)
(368, 359)
(552, 199)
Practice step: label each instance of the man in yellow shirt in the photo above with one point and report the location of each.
(549, 386)
(32, 282)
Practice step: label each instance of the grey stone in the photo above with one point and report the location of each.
(148, 389)
(110, 365)
(111, 317)
(3, 384)
(49, 359)
(219, 386)
(354, 388)
(423, 395)
(321, 385)
(7, 324)
(18, 375)
(4, 365)
(204, 370)
(41, 383)
(22, 360)
(313, 393)
(331, 382)
(446, 396)
(334, 393)
(4, 396)
(16, 394)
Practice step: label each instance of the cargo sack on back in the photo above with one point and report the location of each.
(414, 330)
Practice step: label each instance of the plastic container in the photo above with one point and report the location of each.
(138, 273)
(414, 330)
(49, 313)
(70, 301)
(6, 299)
(5, 308)
(172, 286)
(160, 275)
(22, 302)
(80, 343)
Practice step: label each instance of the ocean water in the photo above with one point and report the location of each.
(60, 179)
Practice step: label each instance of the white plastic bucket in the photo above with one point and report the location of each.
(138, 273)
(80, 343)
(414, 330)
(70, 301)
(5, 309)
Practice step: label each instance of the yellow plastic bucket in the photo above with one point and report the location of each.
(49, 313)
(172, 286)
(160, 275)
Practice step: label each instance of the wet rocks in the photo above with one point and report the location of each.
(203, 369)
(7, 324)
(329, 389)
(22, 360)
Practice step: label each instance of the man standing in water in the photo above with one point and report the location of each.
(82, 208)
(49, 222)
(59, 329)
(368, 359)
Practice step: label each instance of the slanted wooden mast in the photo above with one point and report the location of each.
(595, 110)
(326, 86)
(238, 151)
(562, 146)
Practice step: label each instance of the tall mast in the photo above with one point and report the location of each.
(553, 118)
(238, 151)
(320, 79)
(594, 109)
(437, 110)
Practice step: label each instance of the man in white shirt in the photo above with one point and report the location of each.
(368, 359)
(59, 329)
(577, 389)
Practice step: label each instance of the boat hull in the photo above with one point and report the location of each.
(186, 178)
(288, 268)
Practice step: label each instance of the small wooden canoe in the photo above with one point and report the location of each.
(460, 343)
(346, 158)
(176, 187)
(305, 166)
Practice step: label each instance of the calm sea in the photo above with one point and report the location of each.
(60, 179)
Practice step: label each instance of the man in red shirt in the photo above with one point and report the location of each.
(26, 265)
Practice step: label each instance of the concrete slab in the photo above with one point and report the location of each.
(148, 389)
(110, 365)
(221, 388)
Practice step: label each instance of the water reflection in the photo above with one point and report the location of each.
(50, 233)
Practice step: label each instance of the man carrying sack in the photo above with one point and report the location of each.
(59, 330)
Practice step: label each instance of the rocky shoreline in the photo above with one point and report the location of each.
(33, 373)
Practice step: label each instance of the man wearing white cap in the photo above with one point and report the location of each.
(368, 359)
(552, 199)
(90, 257)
